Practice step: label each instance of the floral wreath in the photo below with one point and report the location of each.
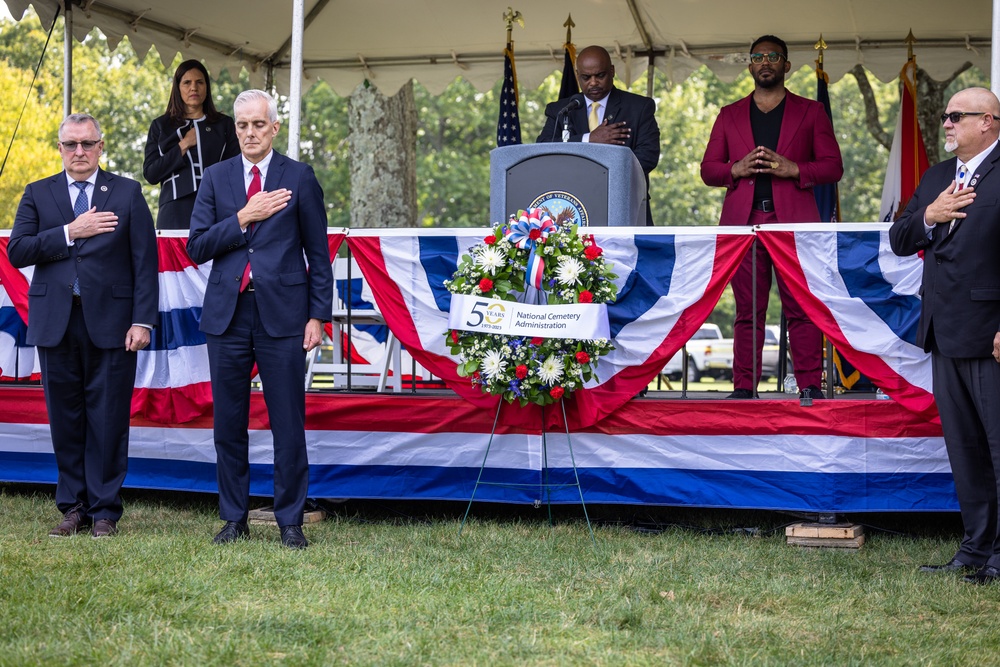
(531, 252)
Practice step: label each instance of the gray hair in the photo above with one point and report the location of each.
(78, 119)
(256, 95)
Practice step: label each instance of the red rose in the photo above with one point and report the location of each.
(490, 240)
(557, 392)
(592, 252)
(485, 285)
(537, 340)
(521, 372)
(454, 337)
(535, 234)
(586, 296)
(582, 357)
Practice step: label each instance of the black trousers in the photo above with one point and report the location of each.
(967, 392)
(88, 394)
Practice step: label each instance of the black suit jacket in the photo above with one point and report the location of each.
(960, 296)
(635, 110)
(118, 271)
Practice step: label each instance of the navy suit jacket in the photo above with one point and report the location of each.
(118, 271)
(635, 110)
(287, 293)
(960, 294)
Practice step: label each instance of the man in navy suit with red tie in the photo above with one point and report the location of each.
(92, 302)
(260, 218)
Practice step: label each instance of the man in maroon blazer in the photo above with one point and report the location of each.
(769, 150)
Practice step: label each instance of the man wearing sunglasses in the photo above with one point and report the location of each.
(92, 301)
(769, 150)
(954, 218)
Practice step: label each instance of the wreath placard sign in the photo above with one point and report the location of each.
(532, 260)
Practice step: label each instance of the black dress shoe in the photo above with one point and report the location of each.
(987, 574)
(954, 565)
(292, 537)
(742, 393)
(232, 531)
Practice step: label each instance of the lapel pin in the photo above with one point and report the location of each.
(208, 129)
(104, 188)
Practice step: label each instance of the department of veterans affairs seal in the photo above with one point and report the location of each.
(562, 207)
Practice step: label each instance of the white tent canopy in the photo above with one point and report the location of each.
(434, 41)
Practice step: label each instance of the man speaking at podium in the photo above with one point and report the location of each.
(603, 114)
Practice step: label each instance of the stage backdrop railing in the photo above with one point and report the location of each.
(835, 456)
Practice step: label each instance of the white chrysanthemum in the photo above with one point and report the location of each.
(490, 259)
(550, 371)
(569, 270)
(493, 363)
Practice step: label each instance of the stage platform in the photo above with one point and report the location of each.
(848, 454)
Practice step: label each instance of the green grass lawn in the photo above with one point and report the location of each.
(393, 584)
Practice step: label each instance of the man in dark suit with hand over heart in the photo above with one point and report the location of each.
(954, 218)
(260, 218)
(92, 302)
(606, 115)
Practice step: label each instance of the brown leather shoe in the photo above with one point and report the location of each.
(74, 521)
(104, 528)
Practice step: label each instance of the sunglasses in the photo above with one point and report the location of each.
(772, 57)
(956, 116)
(71, 145)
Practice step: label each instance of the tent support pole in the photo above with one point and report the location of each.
(68, 60)
(295, 86)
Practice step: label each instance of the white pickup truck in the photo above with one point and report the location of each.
(709, 355)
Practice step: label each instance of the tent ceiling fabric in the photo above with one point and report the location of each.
(435, 41)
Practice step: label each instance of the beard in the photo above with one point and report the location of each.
(950, 145)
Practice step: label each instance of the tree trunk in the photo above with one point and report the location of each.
(383, 157)
(930, 105)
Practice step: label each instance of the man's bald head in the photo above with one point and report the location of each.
(595, 72)
(977, 126)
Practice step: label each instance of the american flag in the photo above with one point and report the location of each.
(508, 124)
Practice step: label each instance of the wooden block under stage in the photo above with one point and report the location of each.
(835, 535)
(265, 517)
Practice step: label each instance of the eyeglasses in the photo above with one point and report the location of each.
(956, 116)
(71, 145)
(772, 57)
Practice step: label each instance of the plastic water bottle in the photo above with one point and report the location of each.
(790, 384)
(881, 395)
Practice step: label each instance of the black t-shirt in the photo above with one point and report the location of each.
(766, 129)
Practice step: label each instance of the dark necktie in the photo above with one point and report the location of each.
(251, 191)
(80, 206)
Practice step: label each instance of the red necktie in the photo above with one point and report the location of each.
(251, 191)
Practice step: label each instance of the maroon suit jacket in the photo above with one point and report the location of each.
(806, 138)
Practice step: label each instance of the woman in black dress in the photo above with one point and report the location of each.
(185, 141)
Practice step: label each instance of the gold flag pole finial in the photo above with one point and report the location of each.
(910, 41)
(511, 17)
(820, 46)
(569, 25)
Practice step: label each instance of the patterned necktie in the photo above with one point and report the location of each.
(594, 120)
(80, 206)
(960, 179)
(251, 191)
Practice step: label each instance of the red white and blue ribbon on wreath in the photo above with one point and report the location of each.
(529, 231)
